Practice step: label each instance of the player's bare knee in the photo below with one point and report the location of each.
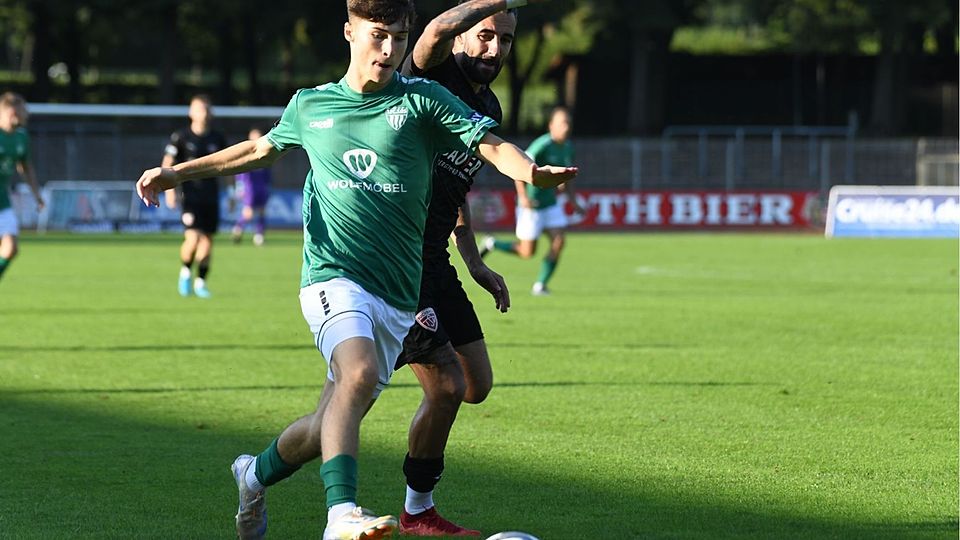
(445, 386)
(358, 378)
(477, 393)
(10, 251)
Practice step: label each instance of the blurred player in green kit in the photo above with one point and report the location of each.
(539, 210)
(14, 157)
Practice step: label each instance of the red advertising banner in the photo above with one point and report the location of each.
(676, 210)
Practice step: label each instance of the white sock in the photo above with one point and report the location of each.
(184, 272)
(337, 510)
(251, 478)
(199, 283)
(417, 502)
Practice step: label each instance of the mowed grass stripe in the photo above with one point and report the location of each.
(674, 386)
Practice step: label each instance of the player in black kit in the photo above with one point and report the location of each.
(463, 49)
(200, 204)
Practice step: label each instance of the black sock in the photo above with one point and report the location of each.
(422, 474)
(202, 269)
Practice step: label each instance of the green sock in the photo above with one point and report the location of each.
(3, 264)
(340, 479)
(546, 270)
(339, 475)
(270, 466)
(503, 245)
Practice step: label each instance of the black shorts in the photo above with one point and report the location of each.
(444, 315)
(202, 216)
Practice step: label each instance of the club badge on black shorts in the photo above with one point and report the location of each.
(427, 319)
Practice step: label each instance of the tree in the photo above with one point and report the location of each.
(630, 56)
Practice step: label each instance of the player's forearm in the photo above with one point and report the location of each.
(435, 43)
(465, 240)
(461, 18)
(507, 157)
(521, 188)
(241, 157)
(26, 170)
(466, 243)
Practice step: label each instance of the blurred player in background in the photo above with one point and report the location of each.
(200, 199)
(463, 49)
(539, 210)
(14, 156)
(253, 190)
(371, 139)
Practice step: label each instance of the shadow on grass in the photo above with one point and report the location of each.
(131, 348)
(584, 346)
(88, 472)
(262, 388)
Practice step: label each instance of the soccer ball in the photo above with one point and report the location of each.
(513, 535)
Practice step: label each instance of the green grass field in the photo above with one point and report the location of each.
(674, 386)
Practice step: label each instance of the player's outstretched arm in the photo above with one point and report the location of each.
(25, 168)
(241, 157)
(436, 42)
(466, 243)
(513, 162)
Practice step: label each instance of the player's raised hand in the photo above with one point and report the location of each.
(550, 176)
(494, 284)
(154, 181)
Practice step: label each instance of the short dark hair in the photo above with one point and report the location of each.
(202, 97)
(383, 11)
(557, 109)
(12, 99)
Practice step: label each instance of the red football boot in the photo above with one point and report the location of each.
(430, 523)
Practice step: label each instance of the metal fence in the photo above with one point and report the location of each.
(119, 146)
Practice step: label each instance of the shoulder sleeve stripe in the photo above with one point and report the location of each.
(483, 126)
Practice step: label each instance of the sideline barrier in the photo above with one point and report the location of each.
(893, 212)
(103, 207)
(665, 210)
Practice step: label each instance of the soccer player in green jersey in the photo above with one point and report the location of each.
(370, 138)
(14, 156)
(538, 209)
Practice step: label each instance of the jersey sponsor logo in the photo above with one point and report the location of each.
(360, 162)
(463, 164)
(367, 186)
(397, 116)
(326, 123)
(428, 319)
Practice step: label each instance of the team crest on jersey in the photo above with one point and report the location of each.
(428, 319)
(360, 162)
(396, 117)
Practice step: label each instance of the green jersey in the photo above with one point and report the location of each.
(545, 151)
(14, 148)
(366, 196)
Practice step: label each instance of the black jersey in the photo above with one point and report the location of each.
(453, 171)
(186, 145)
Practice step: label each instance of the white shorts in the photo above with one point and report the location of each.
(8, 223)
(531, 221)
(339, 309)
